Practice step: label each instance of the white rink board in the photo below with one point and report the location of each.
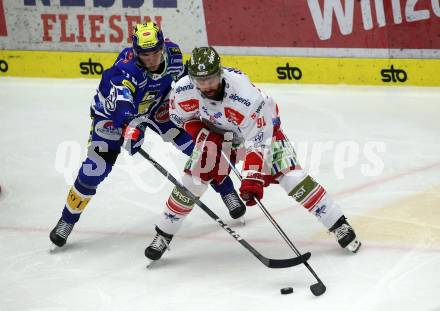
(185, 25)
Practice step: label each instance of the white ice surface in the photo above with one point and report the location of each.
(44, 128)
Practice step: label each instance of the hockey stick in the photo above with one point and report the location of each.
(268, 262)
(318, 288)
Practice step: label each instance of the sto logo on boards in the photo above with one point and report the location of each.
(3, 66)
(91, 68)
(393, 75)
(288, 72)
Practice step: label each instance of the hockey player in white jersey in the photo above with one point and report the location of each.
(228, 116)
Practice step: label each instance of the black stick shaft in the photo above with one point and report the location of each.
(274, 223)
(271, 263)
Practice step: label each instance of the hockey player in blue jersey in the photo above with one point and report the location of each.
(132, 96)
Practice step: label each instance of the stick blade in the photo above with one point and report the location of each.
(318, 289)
(290, 262)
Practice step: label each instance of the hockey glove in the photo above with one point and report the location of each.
(207, 161)
(250, 190)
(209, 143)
(205, 140)
(133, 138)
(253, 181)
(193, 127)
(206, 157)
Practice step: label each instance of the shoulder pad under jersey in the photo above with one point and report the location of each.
(126, 54)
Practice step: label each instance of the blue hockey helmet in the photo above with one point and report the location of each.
(147, 37)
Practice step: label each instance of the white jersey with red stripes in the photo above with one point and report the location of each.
(253, 117)
(244, 110)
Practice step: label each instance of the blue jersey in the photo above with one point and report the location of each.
(128, 89)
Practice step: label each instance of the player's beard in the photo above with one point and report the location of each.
(214, 92)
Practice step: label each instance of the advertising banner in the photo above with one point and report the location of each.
(370, 42)
(95, 25)
(352, 71)
(317, 28)
(279, 69)
(377, 28)
(401, 24)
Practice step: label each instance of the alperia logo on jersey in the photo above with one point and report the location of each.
(239, 99)
(184, 88)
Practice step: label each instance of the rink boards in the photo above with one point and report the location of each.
(268, 69)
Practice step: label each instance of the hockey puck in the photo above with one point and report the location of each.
(286, 290)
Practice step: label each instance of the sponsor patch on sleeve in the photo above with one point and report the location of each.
(189, 105)
(107, 130)
(129, 85)
(174, 50)
(233, 116)
(162, 114)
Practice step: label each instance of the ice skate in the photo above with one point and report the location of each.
(158, 246)
(345, 235)
(60, 233)
(235, 206)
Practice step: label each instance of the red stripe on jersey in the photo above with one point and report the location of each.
(176, 208)
(278, 134)
(315, 198)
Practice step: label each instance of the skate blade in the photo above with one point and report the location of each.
(354, 246)
(54, 249)
(151, 264)
(243, 221)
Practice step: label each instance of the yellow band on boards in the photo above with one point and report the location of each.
(260, 69)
